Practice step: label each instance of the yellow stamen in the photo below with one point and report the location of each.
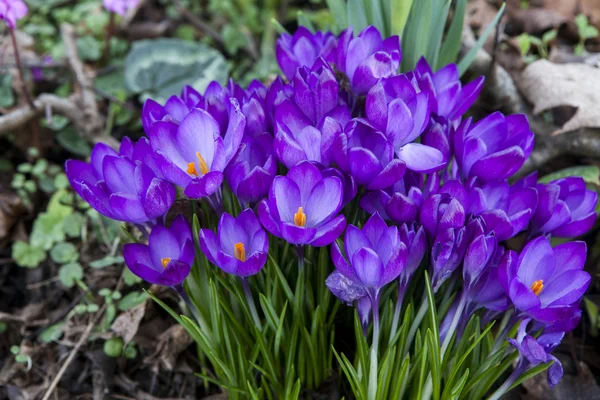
(300, 218)
(537, 287)
(165, 261)
(202, 164)
(239, 251)
(191, 167)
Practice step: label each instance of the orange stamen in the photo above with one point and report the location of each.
(202, 164)
(239, 251)
(300, 218)
(191, 167)
(537, 287)
(165, 261)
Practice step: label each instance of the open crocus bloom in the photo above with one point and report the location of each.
(167, 258)
(302, 207)
(240, 247)
(374, 257)
(193, 154)
(120, 188)
(543, 282)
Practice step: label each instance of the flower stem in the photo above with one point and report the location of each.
(373, 365)
(508, 324)
(110, 31)
(300, 252)
(20, 67)
(521, 368)
(396, 319)
(184, 296)
(251, 303)
(455, 320)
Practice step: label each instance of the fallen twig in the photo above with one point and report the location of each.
(71, 357)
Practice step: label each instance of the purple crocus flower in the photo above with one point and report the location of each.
(505, 209)
(240, 247)
(444, 210)
(120, 188)
(365, 153)
(120, 6)
(302, 207)
(396, 204)
(277, 92)
(193, 154)
(486, 292)
(374, 256)
(307, 125)
(477, 258)
(167, 258)
(367, 58)
(566, 208)
(395, 108)
(545, 283)
(415, 240)
(534, 351)
(447, 96)
(251, 172)
(11, 11)
(439, 134)
(303, 49)
(176, 108)
(494, 148)
(350, 187)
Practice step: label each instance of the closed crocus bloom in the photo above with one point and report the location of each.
(534, 351)
(303, 207)
(479, 254)
(239, 247)
(415, 240)
(444, 210)
(545, 283)
(277, 92)
(303, 49)
(193, 154)
(395, 204)
(447, 252)
(365, 153)
(120, 188)
(565, 208)
(120, 6)
(494, 148)
(367, 58)
(448, 97)
(374, 256)
(439, 134)
(175, 109)
(506, 209)
(11, 11)
(251, 172)
(167, 258)
(395, 108)
(307, 125)
(487, 291)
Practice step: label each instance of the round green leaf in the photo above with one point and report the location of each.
(64, 253)
(131, 300)
(52, 333)
(113, 347)
(27, 255)
(68, 274)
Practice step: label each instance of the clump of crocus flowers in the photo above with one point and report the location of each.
(381, 167)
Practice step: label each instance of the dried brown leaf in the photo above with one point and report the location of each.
(127, 323)
(548, 86)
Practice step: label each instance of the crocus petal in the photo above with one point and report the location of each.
(367, 267)
(325, 200)
(296, 234)
(329, 232)
(421, 158)
(566, 289)
(205, 185)
(522, 296)
(576, 228)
